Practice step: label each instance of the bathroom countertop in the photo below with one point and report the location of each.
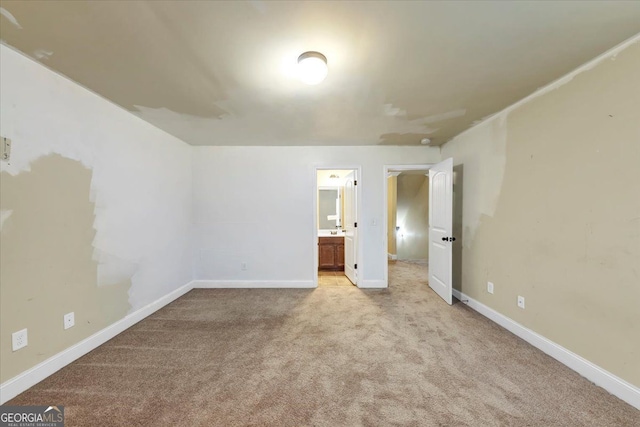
(327, 233)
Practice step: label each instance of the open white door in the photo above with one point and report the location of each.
(350, 228)
(440, 228)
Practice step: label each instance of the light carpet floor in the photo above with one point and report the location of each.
(333, 356)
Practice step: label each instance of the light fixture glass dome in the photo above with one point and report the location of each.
(312, 67)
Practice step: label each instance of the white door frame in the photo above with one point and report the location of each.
(358, 242)
(385, 215)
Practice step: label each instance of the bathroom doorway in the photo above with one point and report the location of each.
(336, 228)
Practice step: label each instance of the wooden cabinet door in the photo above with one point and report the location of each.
(330, 253)
(327, 255)
(340, 256)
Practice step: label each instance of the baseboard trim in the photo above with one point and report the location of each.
(602, 378)
(16, 385)
(253, 284)
(372, 284)
(392, 257)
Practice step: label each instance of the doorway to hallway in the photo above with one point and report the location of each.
(407, 221)
(440, 219)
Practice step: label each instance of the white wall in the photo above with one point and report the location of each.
(141, 176)
(255, 205)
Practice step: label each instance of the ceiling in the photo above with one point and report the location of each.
(220, 73)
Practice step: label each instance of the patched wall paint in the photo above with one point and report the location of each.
(12, 19)
(47, 266)
(255, 205)
(138, 191)
(551, 207)
(484, 166)
(4, 215)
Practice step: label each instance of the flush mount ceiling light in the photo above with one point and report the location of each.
(312, 67)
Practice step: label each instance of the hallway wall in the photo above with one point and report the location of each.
(412, 239)
(392, 207)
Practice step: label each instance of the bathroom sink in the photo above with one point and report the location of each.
(330, 233)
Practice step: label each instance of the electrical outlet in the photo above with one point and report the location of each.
(243, 266)
(19, 340)
(69, 320)
(490, 287)
(520, 301)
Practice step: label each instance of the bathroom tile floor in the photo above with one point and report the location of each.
(332, 279)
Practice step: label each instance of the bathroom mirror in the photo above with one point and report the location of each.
(329, 208)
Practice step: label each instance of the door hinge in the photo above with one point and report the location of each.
(355, 182)
(355, 266)
(355, 225)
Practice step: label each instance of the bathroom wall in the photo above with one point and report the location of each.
(255, 205)
(412, 216)
(324, 180)
(95, 212)
(551, 211)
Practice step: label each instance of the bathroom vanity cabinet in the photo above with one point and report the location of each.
(331, 253)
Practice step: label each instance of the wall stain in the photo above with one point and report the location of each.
(46, 263)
